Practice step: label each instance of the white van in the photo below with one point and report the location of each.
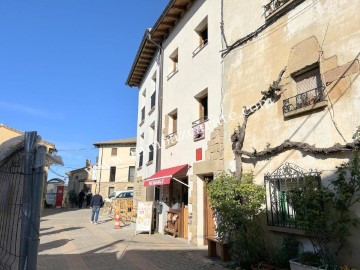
(120, 194)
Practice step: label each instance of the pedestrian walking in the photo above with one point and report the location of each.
(81, 198)
(96, 203)
(88, 198)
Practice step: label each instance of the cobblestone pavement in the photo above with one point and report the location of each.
(69, 241)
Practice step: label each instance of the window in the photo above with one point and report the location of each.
(152, 101)
(202, 32)
(309, 90)
(141, 159)
(112, 174)
(203, 108)
(132, 151)
(151, 153)
(171, 137)
(174, 57)
(174, 117)
(111, 190)
(131, 175)
(280, 212)
(114, 151)
(142, 114)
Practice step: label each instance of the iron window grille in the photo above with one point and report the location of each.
(280, 212)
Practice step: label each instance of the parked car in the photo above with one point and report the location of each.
(126, 194)
(120, 194)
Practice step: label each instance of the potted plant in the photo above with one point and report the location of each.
(288, 250)
(237, 206)
(308, 260)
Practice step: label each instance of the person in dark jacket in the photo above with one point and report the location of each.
(81, 198)
(95, 204)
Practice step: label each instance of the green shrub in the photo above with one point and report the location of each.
(237, 205)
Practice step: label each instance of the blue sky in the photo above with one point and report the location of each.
(63, 67)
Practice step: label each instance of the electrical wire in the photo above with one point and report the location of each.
(256, 33)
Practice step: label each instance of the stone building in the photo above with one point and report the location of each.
(81, 179)
(115, 167)
(312, 45)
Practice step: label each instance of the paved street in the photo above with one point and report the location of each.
(69, 241)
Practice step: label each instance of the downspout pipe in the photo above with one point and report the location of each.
(160, 99)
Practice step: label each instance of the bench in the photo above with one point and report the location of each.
(214, 244)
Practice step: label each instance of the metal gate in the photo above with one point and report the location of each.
(22, 171)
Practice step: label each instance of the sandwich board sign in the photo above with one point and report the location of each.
(144, 217)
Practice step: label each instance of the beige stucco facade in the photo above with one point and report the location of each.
(322, 33)
(115, 168)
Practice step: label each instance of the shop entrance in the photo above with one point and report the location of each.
(177, 216)
(209, 224)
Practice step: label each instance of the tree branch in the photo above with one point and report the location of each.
(305, 147)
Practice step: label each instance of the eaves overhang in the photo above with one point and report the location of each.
(174, 11)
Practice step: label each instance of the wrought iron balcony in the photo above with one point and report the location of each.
(199, 128)
(171, 135)
(273, 5)
(303, 100)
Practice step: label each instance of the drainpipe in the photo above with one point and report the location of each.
(160, 92)
(159, 124)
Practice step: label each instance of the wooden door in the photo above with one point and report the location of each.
(209, 224)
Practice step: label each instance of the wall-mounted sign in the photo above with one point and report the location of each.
(199, 131)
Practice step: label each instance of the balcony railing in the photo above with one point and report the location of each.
(303, 100)
(172, 73)
(199, 128)
(201, 120)
(171, 135)
(198, 49)
(275, 5)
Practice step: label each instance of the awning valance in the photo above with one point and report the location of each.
(164, 176)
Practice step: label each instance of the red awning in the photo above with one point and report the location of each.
(163, 177)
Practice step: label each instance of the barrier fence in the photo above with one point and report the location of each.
(22, 171)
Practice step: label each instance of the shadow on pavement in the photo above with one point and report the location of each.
(59, 231)
(132, 260)
(53, 244)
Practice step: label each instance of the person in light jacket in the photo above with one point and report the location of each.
(96, 203)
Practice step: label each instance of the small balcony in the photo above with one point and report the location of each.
(171, 139)
(279, 6)
(172, 73)
(303, 102)
(198, 49)
(199, 128)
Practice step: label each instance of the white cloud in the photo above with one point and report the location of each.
(28, 110)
